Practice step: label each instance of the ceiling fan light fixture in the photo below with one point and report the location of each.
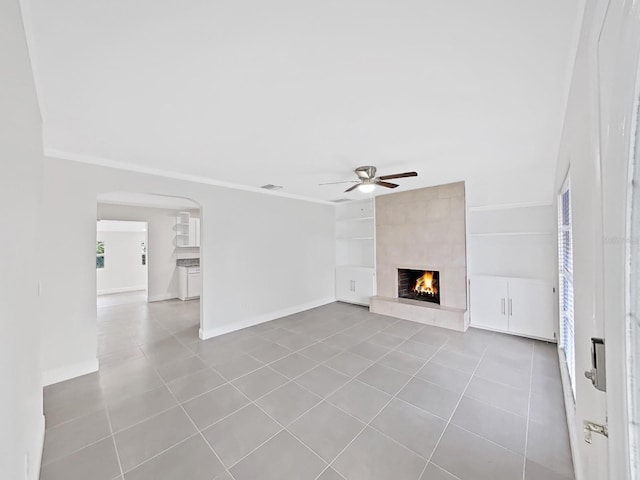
(366, 187)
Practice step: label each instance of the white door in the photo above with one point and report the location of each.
(489, 302)
(531, 308)
(599, 188)
(620, 177)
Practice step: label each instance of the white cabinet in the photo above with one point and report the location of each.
(521, 306)
(489, 302)
(187, 230)
(189, 283)
(355, 284)
(194, 232)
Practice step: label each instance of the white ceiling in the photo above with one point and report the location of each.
(298, 93)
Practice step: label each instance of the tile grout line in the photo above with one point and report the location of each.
(373, 418)
(453, 413)
(526, 437)
(113, 440)
(284, 428)
(198, 431)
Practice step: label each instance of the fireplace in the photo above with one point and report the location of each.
(421, 285)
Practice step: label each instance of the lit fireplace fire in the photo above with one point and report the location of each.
(423, 285)
(426, 284)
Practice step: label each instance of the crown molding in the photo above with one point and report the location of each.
(132, 167)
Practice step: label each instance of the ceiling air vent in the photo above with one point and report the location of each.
(341, 200)
(270, 186)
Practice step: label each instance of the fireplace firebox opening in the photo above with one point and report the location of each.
(421, 285)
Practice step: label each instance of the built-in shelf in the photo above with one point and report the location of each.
(354, 238)
(508, 234)
(355, 252)
(189, 238)
(354, 219)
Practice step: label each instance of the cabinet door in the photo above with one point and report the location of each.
(194, 287)
(182, 283)
(363, 283)
(531, 310)
(488, 303)
(192, 232)
(345, 284)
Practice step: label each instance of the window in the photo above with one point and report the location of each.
(99, 254)
(565, 263)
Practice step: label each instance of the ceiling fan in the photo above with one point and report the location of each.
(367, 179)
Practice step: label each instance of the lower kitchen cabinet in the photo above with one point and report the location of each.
(189, 283)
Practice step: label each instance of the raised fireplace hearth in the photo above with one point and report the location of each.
(423, 285)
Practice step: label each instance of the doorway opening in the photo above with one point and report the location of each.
(121, 262)
(157, 238)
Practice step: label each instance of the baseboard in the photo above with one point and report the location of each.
(267, 317)
(515, 334)
(57, 375)
(36, 457)
(569, 405)
(161, 297)
(110, 291)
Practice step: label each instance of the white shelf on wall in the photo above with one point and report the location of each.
(355, 219)
(355, 238)
(187, 231)
(508, 234)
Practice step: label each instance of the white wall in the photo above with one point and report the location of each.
(161, 234)
(21, 420)
(287, 244)
(123, 269)
(595, 147)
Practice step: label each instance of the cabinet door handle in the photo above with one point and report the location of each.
(502, 305)
(510, 307)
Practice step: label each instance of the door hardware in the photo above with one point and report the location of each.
(591, 428)
(598, 373)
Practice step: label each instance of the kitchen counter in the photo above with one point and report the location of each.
(188, 262)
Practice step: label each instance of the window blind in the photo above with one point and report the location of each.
(565, 262)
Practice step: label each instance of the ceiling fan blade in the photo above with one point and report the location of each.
(335, 183)
(398, 175)
(386, 184)
(352, 188)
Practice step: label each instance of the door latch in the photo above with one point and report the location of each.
(598, 372)
(590, 428)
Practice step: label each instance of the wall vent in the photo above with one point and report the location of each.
(270, 186)
(341, 200)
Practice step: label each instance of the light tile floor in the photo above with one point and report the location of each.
(332, 393)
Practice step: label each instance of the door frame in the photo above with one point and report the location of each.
(620, 145)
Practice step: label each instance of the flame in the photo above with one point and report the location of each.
(426, 284)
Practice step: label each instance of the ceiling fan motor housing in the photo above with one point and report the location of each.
(366, 172)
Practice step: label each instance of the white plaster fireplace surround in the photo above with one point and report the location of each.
(423, 229)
